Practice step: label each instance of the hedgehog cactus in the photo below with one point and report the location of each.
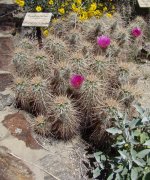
(99, 137)
(102, 119)
(94, 32)
(115, 23)
(41, 64)
(136, 29)
(26, 44)
(72, 21)
(121, 36)
(106, 47)
(20, 61)
(40, 94)
(41, 126)
(92, 92)
(57, 28)
(63, 118)
(86, 48)
(112, 104)
(56, 48)
(21, 88)
(102, 66)
(138, 22)
(74, 38)
(79, 63)
(129, 93)
(113, 50)
(60, 81)
(127, 71)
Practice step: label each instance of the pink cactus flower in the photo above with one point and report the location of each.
(136, 32)
(76, 80)
(103, 41)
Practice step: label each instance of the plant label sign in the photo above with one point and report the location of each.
(144, 3)
(37, 19)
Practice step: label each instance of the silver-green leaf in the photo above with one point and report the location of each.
(147, 143)
(96, 172)
(123, 154)
(114, 131)
(143, 153)
(134, 174)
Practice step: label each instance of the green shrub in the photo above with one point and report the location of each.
(131, 148)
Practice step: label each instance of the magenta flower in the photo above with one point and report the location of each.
(76, 80)
(136, 32)
(103, 41)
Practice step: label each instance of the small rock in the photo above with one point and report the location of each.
(7, 7)
(18, 131)
(64, 160)
(11, 168)
(6, 79)
(5, 100)
(20, 128)
(6, 51)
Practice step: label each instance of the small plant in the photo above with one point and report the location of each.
(26, 44)
(21, 88)
(127, 71)
(101, 120)
(56, 47)
(20, 61)
(91, 29)
(131, 157)
(92, 92)
(129, 94)
(63, 118)
(41, 64)
(102, 66)
(39, 94)
(79, 63)
(41, 126)
(60, 80)
(74, 39)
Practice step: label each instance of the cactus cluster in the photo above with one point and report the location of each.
(83, 73)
